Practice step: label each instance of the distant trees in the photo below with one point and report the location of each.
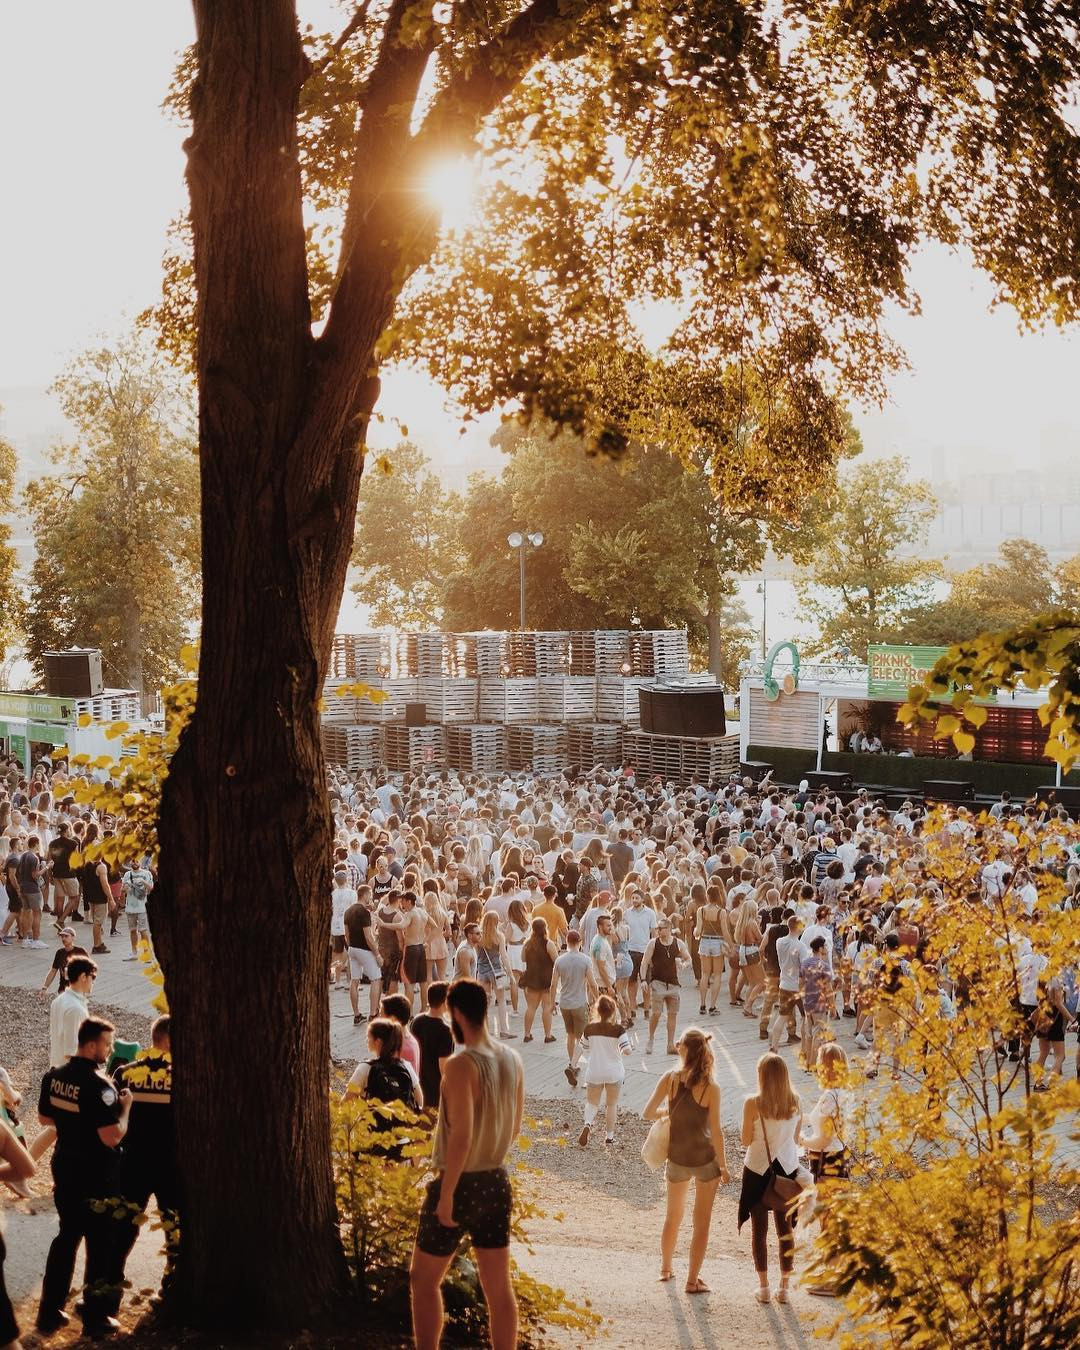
(642, 541)
(116, 525)
(856, 587)
(997, 595)
(9, 607)
(406, 542)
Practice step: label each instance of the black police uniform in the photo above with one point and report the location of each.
(148, 1167)
(80, 1099)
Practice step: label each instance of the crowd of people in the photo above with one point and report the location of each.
(469, 911)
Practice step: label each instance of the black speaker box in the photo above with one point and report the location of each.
(72, 674)
(416, 714)
(692, 711)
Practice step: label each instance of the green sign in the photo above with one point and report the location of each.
(37, 705)
(45, 734)
(18, 748)
(891, 671)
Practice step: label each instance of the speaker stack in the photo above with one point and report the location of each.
(73, 674)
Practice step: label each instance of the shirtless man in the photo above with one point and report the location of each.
(415, 933)
(465, 957)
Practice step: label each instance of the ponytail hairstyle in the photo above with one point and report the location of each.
(695, 1048)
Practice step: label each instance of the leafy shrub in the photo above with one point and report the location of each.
(379, 1199)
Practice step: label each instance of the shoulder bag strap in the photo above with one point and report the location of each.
(764, 1135)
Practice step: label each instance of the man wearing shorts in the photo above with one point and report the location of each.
(660, 967)
(65, 883)
(29, 871)
(362, 959)
(640, 920)
(480, 1112)
(789, 957)
(414, 964)
(138, 883)
(574, 971)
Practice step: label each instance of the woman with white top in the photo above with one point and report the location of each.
(515, 930)
(825, 1133)
(608, 1044)
(770, 1130)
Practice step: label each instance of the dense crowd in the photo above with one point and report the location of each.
(468, 911)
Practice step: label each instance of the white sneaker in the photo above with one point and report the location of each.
(132, 957)
(862, 1042)
(38, 946)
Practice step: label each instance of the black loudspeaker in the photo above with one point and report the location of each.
(948, 790)
(416, 714)
(695, 710)
(72, 674)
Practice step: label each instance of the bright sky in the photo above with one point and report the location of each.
(93, 172)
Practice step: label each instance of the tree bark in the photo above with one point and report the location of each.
(241, 917)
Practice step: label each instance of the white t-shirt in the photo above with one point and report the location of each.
(789, 956)
(341, 897)
(1028, 969)
(641, 923)
(608, 1045)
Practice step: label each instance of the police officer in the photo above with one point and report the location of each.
(148, 1167)
(91, 1119)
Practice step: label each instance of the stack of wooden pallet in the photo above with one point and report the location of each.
(475, 748)
(542, 749)
(356, 748)
(414, 747)
(506, 700)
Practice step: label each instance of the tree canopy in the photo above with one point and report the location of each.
(406, 541)
(9, 589)
(857, 586)
(116, 524)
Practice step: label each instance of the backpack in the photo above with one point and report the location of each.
(390, 1081)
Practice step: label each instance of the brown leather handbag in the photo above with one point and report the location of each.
(781, 1193)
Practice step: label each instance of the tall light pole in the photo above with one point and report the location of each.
(522, 542)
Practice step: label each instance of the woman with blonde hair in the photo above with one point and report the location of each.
(539, 954)
(492, 966)
(770, 1130)
(708, 930)
(515, 930)
(438, 952)
(690, 1098)
(746, 931)
(474, 868)
(825, 1134)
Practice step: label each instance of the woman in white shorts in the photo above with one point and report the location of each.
(608, 1044)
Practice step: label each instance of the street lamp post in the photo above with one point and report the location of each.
(521, 542)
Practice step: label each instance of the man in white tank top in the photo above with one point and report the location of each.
(480, 1110)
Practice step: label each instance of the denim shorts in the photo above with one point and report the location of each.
(711, 946)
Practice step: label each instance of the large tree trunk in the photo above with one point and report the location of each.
(241, 917)
(241, 913)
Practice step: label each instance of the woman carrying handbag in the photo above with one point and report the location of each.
(687, 1102)
(772, 1178)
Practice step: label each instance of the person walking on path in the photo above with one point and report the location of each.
(608, 1045)
(690, 1098)
(573, 973)
(660, 967)
(480, 1113)
(770, 1130)
(539, 955)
